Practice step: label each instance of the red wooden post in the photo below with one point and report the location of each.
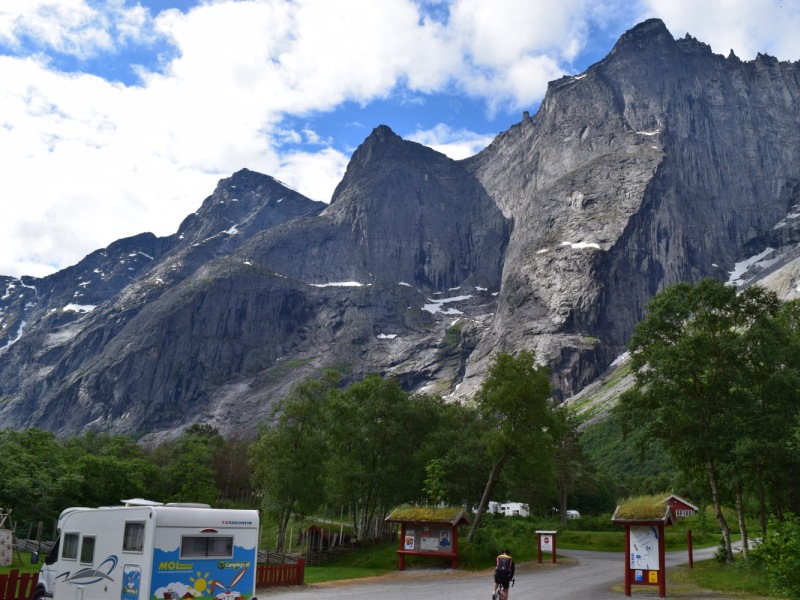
(401, 558)
(539, 548)
(554, 549)
(454, 539)
(662, 563)
(691, 553)
(301, 571)
(628, 560)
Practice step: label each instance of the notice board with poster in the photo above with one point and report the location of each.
(644, 544)
(428, 532)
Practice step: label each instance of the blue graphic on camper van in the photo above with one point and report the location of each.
(203, 578)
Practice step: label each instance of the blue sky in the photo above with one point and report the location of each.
(120, 116)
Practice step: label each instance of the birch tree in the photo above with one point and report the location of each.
(701, 369)
(516, 417)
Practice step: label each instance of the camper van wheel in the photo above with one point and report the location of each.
(38, 594)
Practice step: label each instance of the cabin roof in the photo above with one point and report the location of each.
(415, 514)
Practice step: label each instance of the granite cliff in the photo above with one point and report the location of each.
(662, 162)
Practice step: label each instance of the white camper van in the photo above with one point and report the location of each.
(515, 509)
(147, 550)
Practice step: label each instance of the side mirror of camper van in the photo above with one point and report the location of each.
(34, 558)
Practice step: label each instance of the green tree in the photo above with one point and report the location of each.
(516, 417)
(377, 430)
(110, 467)
(572, 467)
(232, 472)
(451, 439)
(36, 482)
(434, 487)
(779, 553)
(696, 365)
(186, 466)
(289, 454)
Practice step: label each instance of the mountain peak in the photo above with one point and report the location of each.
(382, 135)
(650, 29)
(383, 132)
(384, 145)
(651, 32)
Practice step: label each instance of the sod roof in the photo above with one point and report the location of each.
(643, 509)
(426, 514)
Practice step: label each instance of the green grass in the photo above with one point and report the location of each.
(598, 541)
(366, 562)
(737, 580)
(24, 565)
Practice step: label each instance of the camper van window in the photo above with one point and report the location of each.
(70, 546)
(216, 547)
(134, 537)
(87, 549)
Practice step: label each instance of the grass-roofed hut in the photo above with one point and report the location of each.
(428, 531)
(644, 519)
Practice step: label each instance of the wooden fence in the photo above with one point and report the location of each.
(17, 586)
(278, 575)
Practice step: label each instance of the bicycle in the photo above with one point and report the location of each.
(501, 593)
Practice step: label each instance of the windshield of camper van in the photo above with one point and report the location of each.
(206, 546)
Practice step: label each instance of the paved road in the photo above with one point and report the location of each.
(582, 576)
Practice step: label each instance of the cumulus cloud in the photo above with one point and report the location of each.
(223, 85)
(455, 143)
(746, 26)
(328, 166)
(72, 27)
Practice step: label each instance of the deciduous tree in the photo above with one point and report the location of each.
(289, 455)
(516, 417)
(704, 358)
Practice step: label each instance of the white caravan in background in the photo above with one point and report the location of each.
(151, 551)
(515, 509)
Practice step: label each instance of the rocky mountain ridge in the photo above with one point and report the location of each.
(662, 162)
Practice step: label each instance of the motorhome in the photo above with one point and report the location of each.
(515, 509)
(146, 550)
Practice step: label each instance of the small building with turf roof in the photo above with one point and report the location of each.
(428, 531)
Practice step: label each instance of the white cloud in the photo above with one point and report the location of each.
(87, 161)
(315, 174)
(746, 26)
(455, 143)
(512, 48)
(499, 33)
(72, 27)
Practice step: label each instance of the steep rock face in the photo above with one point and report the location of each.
(79, 322)
(402, 213)
(663, 162)
(457, 234)
(260, 287)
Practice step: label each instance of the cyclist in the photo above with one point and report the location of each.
(503, 573)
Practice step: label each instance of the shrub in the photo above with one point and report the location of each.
(779, 554)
